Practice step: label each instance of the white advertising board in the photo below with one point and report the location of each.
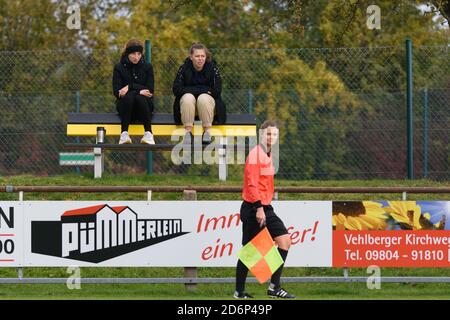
(156, 233)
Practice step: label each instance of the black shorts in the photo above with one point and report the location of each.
(250, 227)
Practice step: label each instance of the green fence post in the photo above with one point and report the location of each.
(148, 58)
(409, 107)
(77, 108)
(425, 133)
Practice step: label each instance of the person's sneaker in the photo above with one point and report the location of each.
(188, 138)
(124, 138)
(148, 138)
(279, 293)
(206, 138)
(242, 295)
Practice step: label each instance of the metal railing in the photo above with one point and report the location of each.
(224, 189)
(190, 278)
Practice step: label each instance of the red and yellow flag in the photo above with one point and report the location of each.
(261, 256)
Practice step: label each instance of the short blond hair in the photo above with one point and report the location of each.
(200, 46)
(268, 123)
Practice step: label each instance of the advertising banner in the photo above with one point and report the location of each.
(156, 233)
(11, 233)
(391, 234)
(209, 233)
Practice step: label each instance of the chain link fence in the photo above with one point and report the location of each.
(342, 111)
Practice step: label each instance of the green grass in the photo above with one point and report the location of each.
(221, 291)
(310, 291)
(213, 291)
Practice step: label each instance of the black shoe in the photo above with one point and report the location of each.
(188, 138)
(279, 293)
(242, 295)
(206, 138)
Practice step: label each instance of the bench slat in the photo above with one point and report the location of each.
(154, 147)
(90, 130)
(158, 118)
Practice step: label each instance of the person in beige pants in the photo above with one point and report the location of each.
(197, 88)
(203, 106)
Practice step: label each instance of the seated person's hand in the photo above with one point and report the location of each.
(146, 93)
(123, 91)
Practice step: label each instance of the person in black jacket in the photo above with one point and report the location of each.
(197, 89)
(133, 85)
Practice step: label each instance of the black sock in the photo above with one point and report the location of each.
(241, 276)
(275, 280)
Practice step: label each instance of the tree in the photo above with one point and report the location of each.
(443, 6)
(307, 102)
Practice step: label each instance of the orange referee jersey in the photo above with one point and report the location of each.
(258, 177)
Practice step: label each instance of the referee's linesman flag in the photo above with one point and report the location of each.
(261, 256)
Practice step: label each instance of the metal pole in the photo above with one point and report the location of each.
(223, 166)
(98, 163)
(190, 272)
(148, 58)
(409, 107)
(221, 189)
(20, 273)
(77, 110)
(20, 269)
(425, 133)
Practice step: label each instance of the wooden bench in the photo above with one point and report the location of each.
(86, 124)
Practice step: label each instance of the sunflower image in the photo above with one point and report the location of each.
(408, 215)
(358, 215)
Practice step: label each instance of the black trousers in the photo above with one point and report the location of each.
(250, 228)
(135, 107)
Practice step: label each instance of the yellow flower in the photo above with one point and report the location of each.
(356, 215)
(409, 215)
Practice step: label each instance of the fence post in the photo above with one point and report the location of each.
(148, 58)
(190, 272)
(425, 133)
(223, 165)
(20, 269)
(77, 110)
(409, 108)
(98, 163)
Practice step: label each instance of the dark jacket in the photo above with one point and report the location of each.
(137, 76)
(184, 84)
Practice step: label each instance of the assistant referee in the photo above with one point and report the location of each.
(256, 211)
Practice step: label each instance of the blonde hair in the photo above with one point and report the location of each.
(269, 123)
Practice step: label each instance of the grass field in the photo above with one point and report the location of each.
(213, 291)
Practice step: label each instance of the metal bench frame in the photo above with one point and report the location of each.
(88, 125)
